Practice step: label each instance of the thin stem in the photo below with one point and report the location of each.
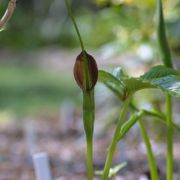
(88, 101)
(161, 34)
(75, 25)
(152, 163)
(86, 74)
(114, 142)
(167, 60)
(170, 165)
(88, 119)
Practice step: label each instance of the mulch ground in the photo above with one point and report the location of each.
(66, 151)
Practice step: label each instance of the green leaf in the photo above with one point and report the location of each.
(119, 74)
(159, 71)
(113, 171)
(161, 35)
(135, 84)
(159, 77)
(166, 79)
(112, 83)
(119, 83)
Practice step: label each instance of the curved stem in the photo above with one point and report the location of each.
(86, 73)
(75, 25)
(114, 142)
(170, 165)
(152, 163)
(8, 14)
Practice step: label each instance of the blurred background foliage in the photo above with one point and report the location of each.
(29, 90)
(123, 25)
(40, 23)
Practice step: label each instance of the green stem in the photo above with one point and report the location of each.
(152, 163)
(86, 73)
(170, 165)
(88, 101)
(88, 119)
(114, 142)
(75, 25)
(166, 58)
(161, 34)
(89, 159)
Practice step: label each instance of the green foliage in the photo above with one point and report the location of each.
(143, 113)
(135, 84)
(159, 77)
(39, 24)
(128, 124)
(114, 84)
(166, 79)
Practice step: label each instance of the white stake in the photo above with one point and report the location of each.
(41, 164)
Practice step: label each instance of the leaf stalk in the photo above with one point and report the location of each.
(114, 142)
